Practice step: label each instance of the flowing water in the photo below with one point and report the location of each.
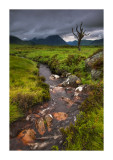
(40, 129)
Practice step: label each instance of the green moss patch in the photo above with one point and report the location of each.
(26, 87)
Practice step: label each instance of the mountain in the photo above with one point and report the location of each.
(87, 43)
(72, 43)
(16, 40)
(54, 40)
(97, 42)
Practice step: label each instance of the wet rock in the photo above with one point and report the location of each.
(49, 137)
(78, 90)
(69, 101)
(81, 89)
(65, 74)
(40, 125)
(52, 87)
(46, 110)
(17, 144)
(32, 117)
(27, 136)
(53, 77)
(18, 126)
(60, 116)
(36, 115)
(38, 146)
(49, 119)
(75, 118)
(58, 89)
(71, 81)
(28, 117)
(33, 146)
(96, 74)
(68, 74)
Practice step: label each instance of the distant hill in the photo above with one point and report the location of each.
(72, 43)
(97, 42)
(87, 43)
(54, 40)
(16, 40)
(51, 40)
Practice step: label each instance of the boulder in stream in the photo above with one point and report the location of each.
(27, 136)
(53, 77)
(71, 81)
(60, 116)
(40, 126)
(49, 119)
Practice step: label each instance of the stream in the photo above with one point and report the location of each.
(40, 129)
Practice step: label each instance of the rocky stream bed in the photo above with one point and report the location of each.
(40, 129)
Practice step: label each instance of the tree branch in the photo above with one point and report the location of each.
(74, 34)
(87, 34)
(81, 29)
(77, 29)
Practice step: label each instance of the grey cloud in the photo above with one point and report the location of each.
(42, 23)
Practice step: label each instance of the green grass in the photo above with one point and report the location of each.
(60, 59)
(26, 87)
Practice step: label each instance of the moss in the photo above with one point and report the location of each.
(15, 113)
(55, 148)
(26, 87)
(42, 78)
(95, 98)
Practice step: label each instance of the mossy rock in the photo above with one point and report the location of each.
(96, 74)
(95, 65)
(71, 81)
(95, 61)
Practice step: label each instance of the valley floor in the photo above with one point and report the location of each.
(28, 89)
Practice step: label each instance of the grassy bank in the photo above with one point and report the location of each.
(26, 87)
(60, 59)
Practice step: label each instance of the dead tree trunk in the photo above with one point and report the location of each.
(79, 41)
(79, 34)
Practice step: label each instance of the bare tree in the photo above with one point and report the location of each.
(79, 34)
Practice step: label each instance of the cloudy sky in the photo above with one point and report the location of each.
(27, 24)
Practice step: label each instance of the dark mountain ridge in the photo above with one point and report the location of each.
(54, 40)
(87, 42)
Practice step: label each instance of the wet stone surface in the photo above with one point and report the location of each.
(40, 130)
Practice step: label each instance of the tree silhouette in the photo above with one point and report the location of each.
(79, 34)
